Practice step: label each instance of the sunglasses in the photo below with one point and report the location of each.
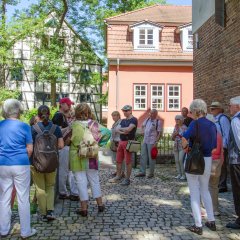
(125, 110)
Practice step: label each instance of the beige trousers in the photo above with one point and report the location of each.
(214, 181)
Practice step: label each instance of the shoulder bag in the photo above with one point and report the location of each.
(195, 163)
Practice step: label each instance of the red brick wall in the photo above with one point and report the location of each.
(216, 63)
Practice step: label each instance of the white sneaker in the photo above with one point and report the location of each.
(182, 178)
(216, 214)
(178, 176)
(115, 179)
(33, 232)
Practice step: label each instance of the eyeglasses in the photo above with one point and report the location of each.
(125, 110)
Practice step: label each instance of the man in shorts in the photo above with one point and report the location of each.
(127, 130)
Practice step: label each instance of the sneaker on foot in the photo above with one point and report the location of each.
(195, 229)
(33, 232)
(115, 179)
(217, 213)
(178, 176)
(233, 225)
(125, 182)
(182, 178)
(63, 196)
(50, 216)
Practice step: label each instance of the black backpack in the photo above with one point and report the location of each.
(45, 152)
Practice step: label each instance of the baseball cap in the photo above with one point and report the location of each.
(127, 107)
(67, 101)
(216, 105)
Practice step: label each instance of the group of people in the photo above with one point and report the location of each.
(19, 144)
(220, 144)
(29, 152)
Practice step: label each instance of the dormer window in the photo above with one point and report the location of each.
(190, 39)
(145, 36)
(186, 36)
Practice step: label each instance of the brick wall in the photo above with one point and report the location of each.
(216, 63)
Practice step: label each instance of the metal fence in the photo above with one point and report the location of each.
(165, 150)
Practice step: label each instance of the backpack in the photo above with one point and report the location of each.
(88, 146)
(45, 154)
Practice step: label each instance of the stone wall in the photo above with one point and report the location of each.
(216, 71)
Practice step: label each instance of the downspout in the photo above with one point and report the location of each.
(117, 79)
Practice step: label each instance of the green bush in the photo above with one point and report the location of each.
(33, 112)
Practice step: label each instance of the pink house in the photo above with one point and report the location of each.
(149, 51)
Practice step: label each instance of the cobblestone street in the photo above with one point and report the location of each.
(156, 208)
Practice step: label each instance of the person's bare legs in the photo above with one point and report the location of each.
(129, 170)
(84, 205)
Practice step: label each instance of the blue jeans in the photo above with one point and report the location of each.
(146, 157)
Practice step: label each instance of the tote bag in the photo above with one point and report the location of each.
(195, 163)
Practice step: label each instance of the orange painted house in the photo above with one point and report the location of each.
(150, 58)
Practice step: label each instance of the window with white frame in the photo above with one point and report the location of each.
(190, 39)
(157, 97)
(140, 97)
(174, 97)
(145, 36)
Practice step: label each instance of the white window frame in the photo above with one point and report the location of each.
(186, 38)
(174, 97)
(157, 97)
(146, 39)
(155, 37)
(190, 39)
(140, 96)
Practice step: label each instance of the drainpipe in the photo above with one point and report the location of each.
(117, 79)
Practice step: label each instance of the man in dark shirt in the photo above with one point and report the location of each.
(127, 132)
(187, 120)
(60, 119)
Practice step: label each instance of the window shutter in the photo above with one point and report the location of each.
(220, 12)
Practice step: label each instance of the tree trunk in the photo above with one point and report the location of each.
(53, 93)
(56, 35)
(3, 22)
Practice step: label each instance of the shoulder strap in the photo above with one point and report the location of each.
(157, 124)
(197, 132)
(147, 122)
(37, 128)
(52, 129)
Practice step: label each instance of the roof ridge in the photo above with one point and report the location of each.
(130, 12)
(147, 7)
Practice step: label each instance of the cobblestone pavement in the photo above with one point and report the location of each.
(157, 208)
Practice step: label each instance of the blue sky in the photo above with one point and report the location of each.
(25, 3)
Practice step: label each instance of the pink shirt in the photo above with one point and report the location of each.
(152, 128)
(218, 152)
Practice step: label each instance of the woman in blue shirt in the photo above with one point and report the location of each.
(198, 184)
(15, 149)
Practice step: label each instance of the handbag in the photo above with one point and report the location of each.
(195, 163)
(133, 146)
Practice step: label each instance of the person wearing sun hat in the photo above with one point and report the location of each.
(223, 126)
(127, 130)
(60, 119)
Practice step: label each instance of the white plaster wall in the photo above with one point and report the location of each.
(202, 10)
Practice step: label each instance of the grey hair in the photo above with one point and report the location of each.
(180, 117)
(235, 100)
(154, 110)
(11, 108)
(198, 107)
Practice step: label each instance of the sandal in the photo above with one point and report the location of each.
(195, 229)
(83, 213)
(211, 225)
